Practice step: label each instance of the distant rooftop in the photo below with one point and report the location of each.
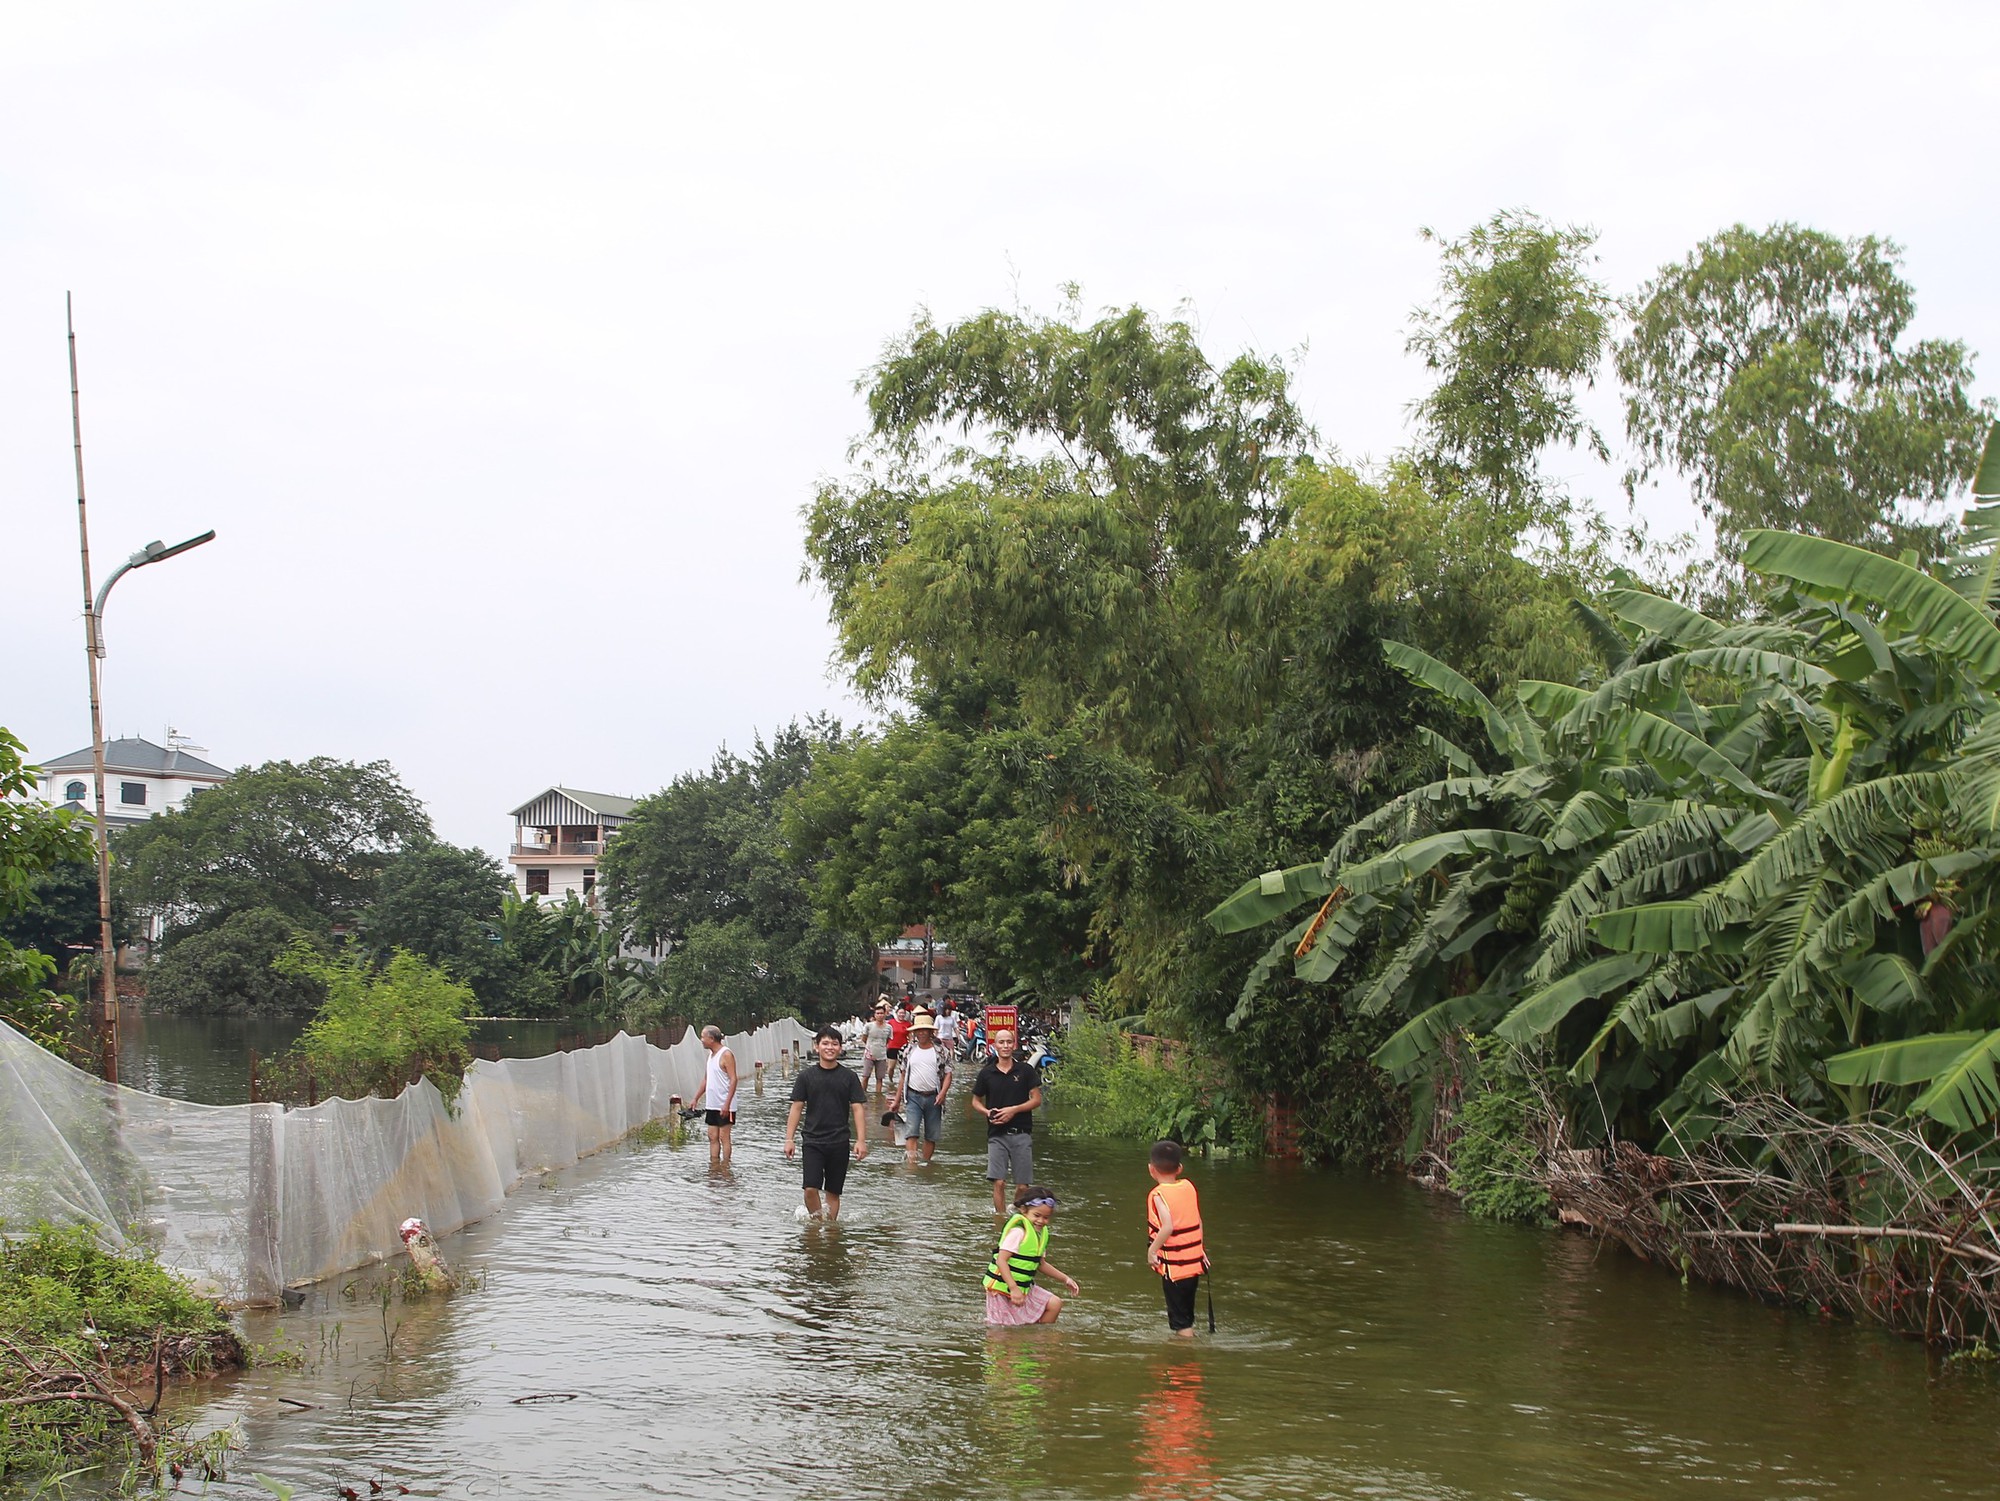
(607, 804)
(129, 753)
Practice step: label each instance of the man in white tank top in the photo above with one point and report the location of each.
(718, 1087)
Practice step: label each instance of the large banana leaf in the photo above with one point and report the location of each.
(1651, 682)
(1662, 742)
(1964, 1088)
(1260, 972)
(1408, 861)
(1434, 675)
(1966, 1094)
(1411, 1045)
(1927, 608)
(1543, 1011)
(1656, 928)
(1664, 618)
(1270, 895)
(1976, 569)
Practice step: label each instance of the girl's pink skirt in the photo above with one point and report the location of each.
(1000, 1310)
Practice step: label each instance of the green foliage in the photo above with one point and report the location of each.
(36, 842)
(1783, 833)
(233, 968)
(443, 903)
(1109, 1087)
(1769, 368)
(706, 868)
(310, 839)
(1139, 623)
(1519, 322)
(58, 1285)
(1495, 1165)
(380, 1028)
(929, 821)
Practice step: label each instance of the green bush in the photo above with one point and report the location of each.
(1108, 1088)
(378, 1028)
(58, 1284)
(1496, 1161)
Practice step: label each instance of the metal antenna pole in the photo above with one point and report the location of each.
(107, 1020)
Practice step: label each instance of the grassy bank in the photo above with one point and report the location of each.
(88, 1340)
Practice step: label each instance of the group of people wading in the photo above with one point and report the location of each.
(827, 1126)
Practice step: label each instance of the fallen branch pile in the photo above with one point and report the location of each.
(1868, 1219)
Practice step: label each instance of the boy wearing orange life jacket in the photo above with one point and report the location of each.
(1173, 1214)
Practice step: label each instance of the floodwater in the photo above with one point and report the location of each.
(647, 1325)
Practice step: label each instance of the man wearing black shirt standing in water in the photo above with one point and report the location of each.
(825, 1096)
(1005, 1092)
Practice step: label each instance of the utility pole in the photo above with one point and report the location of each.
(93, 639)
(107, 1018)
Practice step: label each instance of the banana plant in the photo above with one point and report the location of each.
(1752, 853)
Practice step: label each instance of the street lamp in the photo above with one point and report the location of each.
(152, 552)
(93, 635)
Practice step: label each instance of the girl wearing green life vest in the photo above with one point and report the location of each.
(1023, 1253)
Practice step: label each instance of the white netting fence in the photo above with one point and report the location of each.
(255, 1198)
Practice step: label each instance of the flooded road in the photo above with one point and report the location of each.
(648, 1326)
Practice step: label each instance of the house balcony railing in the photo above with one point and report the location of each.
(558, 848)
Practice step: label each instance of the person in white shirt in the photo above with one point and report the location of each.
(718, 1087)
(947, 1029)
(925, 1081)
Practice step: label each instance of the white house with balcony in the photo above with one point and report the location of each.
(141, 779)
(558, 836)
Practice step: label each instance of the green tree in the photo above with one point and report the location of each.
(1770, 369)
(925, 822)
(59, 916)
(1518, 324)
(1065, 509)
(708, 855)
(380, 1028)
(233, 968)
(443, 904)
(307, 838)
(35, 842)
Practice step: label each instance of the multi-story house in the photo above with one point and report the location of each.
(141, 779)
(558, 836)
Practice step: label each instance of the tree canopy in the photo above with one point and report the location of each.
(309, 839)
(1770, 369)
(704, 869)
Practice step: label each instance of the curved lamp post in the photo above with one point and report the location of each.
(152, 552)
(93, 634)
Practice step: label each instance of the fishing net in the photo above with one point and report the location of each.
(250, 1199)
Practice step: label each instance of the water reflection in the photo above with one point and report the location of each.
(1174, 1457)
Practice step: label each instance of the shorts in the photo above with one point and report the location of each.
(894, 1054)
(923, 1116)
(1011, 1155)
(874, 1068)
(1180, 1301)
(826, 1167)
(719, 1117)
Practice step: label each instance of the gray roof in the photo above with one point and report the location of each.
(134, 754)
(604, 803)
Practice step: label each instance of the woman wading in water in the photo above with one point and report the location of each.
(1023, 1252)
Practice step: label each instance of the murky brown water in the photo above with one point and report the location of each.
(648, 1326)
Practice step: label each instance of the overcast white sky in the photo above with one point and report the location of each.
(502, 343)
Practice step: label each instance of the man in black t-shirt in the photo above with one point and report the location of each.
(824, 1097)
(1006, 1093)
